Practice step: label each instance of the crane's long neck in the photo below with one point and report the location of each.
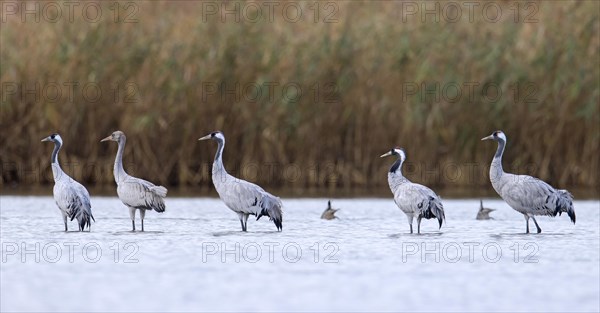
(395, 177)
(397, 167)
(218, 163)
(118, 170)
(219, 174)
(57, 171)
(496, 170)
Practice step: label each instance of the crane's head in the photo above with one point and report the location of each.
(497, 136)
(54, 138)
(116, 136)
(216, 136)
(399, 152)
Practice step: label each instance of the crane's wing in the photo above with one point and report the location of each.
(242, 196)
(533, 194)
(74, 200)
(142, 194)
(421, 200)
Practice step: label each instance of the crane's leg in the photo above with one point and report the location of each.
(132, 216)
(419, 224)
(526, 223)
(142, 215)
(539, 230)
(65, 220)
(241, 216)
(246, 221)
(410, 220)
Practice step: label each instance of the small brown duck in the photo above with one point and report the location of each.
(329, 213)
(484, 213)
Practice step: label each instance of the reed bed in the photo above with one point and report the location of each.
(172, 76)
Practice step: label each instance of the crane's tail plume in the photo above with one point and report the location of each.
(271, 207)
(435, 209)
(159, 191)
(156, 202)
(84, 219)
(564, 203)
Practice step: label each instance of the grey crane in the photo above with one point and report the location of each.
(135, 193)
(329, 213)
(413, 199)
(484, 213)
(528, 195)
(242, 197)
(71, 197)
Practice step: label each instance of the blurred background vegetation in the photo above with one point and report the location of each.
(371, 77)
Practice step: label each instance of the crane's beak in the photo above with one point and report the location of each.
(386, 154)
(487, 138)
(106, 139)
(46, 139)
(205, 137)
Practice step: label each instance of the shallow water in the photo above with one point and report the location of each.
(193, 257)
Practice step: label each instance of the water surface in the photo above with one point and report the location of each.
(193, 257)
